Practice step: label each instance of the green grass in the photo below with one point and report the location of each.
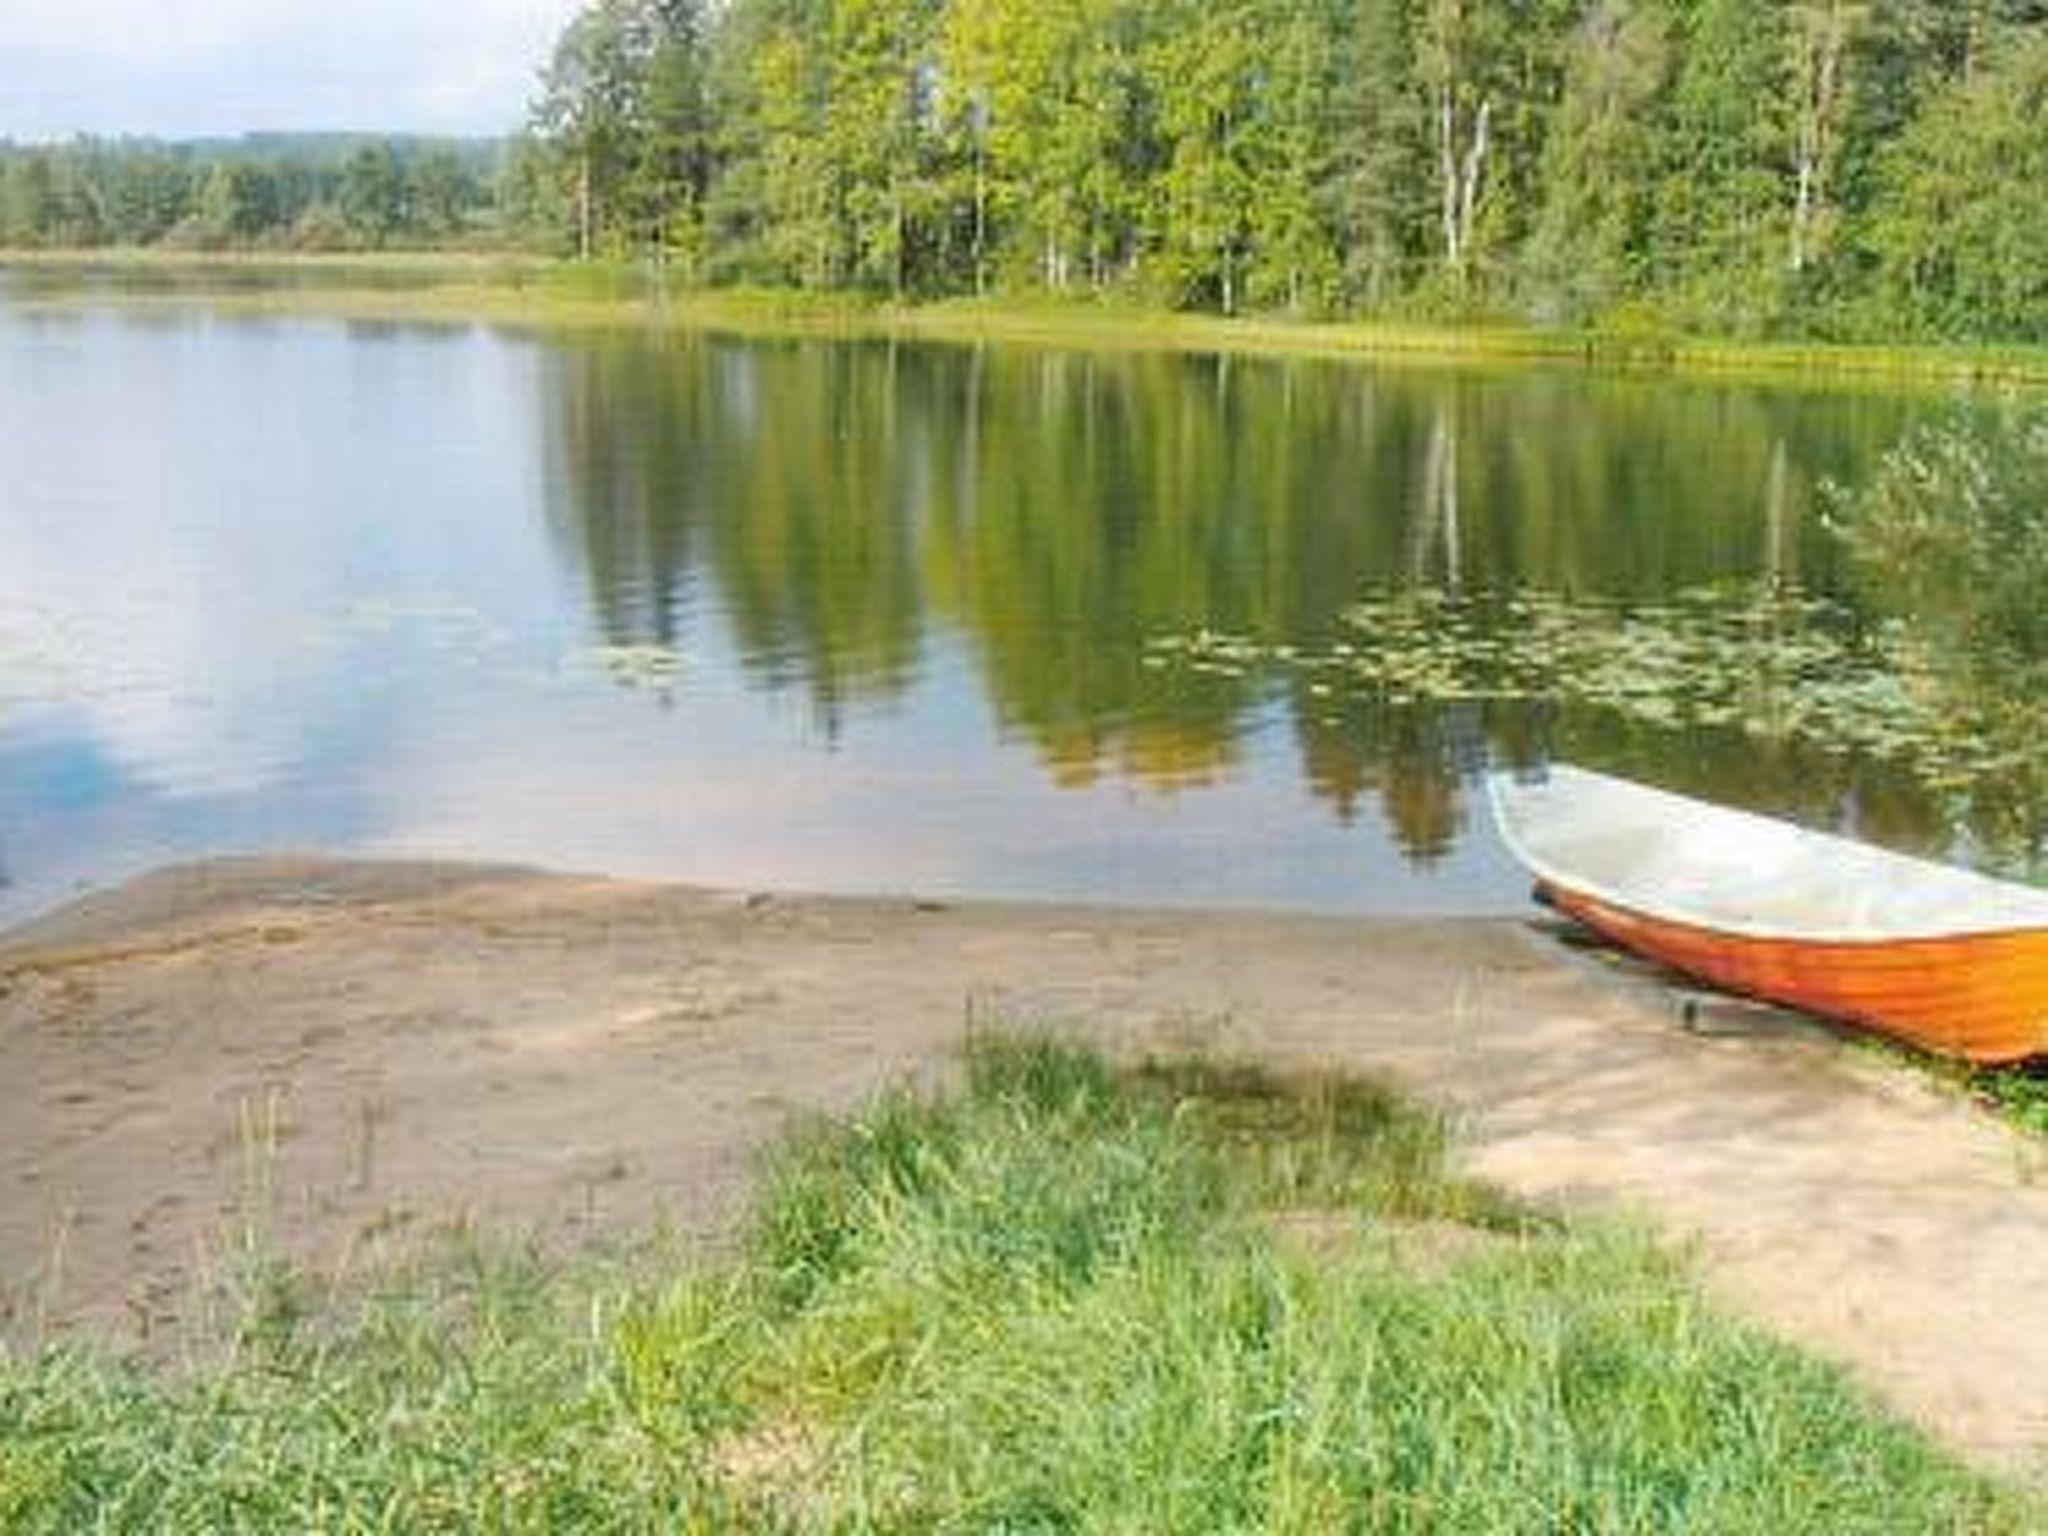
(513, 289)
(2017, 1094)
(1065, 1297)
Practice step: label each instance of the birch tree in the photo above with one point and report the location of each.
(1823, 36)
(1455, 57)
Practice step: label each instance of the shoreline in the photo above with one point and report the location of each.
(549, 294)
(412, 1046)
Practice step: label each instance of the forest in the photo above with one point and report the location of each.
(311, 192)
(1814, 167)
(1826, 169)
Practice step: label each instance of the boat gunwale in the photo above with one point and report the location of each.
(1547, 873)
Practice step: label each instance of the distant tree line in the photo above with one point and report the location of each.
(1821, 167)
(304, 192)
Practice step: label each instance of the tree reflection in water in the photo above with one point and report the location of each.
(853, 511)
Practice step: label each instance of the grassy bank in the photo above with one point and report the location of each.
(1062, 1298)
(501, 289)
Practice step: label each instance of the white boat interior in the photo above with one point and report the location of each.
(1683, 860)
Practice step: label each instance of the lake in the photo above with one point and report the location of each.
(842, 616)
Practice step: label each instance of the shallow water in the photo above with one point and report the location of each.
(840, 616)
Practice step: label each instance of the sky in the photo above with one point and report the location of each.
(190, 68)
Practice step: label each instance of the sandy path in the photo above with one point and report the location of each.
(576, 1055)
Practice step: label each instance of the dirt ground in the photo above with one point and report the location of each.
(363, 1052)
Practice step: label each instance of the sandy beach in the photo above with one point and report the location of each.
(354, 1055)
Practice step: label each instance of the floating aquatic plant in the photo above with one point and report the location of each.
(1774, 665)
(648, 666)
(1938, 670)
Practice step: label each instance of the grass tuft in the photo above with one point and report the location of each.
(1066, 1297)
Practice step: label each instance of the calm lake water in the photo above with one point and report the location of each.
(837, 616)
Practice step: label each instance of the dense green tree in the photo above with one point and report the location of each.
(1210, 73)
(966, 60)
(591, 108)
(1729, 163)
(147, 195)
(1963, 229)
(1828, 167)
(1721, 199)
(267, 190)
(372, 198)
(237, 202)
(28, 200)
(1601, 158)
(1297, 193)
(879, 121)
(799, 180)
(1056, 135)
(672, 179)
(532, 203)
(1378, 154)
(439, 191)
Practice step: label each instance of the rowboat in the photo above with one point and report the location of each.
(1947, 960)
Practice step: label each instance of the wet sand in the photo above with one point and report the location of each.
(359, 1054)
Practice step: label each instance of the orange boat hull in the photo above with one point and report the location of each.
(1982, 997)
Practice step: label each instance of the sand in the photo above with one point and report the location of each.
(348, 1056)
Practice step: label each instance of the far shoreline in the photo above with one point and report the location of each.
(497, 288)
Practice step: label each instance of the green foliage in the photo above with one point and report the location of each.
(1183, 1297)
(1951, 535)
(1954, 529)
(236, 202)
(1958, 239)
(1827, 168)
(1211, 68)
(1719, 241)
(1736, 165)
(2018, 1095)
(28, 201)
(439, 199)
(673, 178)
(313, 192)
(592, 109)
(371, 203)
(1601, 159)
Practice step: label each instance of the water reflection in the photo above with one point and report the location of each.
(398, 589)
(1053, 511)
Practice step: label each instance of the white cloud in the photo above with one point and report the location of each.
(224, 66)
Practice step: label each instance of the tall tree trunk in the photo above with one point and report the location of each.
(980, 221)
(583, 213)
(1802, 205)
(1461, 172)
(1475, 168)
(1823, 43)
(1447, 175)
(900, 267)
